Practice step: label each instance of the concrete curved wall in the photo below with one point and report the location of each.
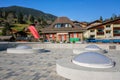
(67, 69)
(22, 51)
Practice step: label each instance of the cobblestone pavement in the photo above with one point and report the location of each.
(37, 66)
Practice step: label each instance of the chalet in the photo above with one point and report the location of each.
(63, 29)
(108, 29)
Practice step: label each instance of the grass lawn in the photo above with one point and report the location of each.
(19, 27)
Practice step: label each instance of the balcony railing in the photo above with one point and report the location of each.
(100, 33)
(116, 34)
(108, 35)
(91, 33)
(108, 29)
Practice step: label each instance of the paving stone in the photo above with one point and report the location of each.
(38, 66)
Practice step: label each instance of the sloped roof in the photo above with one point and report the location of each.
(116, 21)
(51, 28)
(62, 20)
(96, 21)
(58, 30)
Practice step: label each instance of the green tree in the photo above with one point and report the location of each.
(43, 22)
(114, 16)
(20, 18)
(0, 14)
(39, 20)
(4, 14)
(111, 18)
(32, 19)
(6, 29)
(101, 19)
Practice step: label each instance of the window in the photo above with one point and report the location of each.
(107, 26)
(92, 36)
(62, 25)
(100, 30)
(66, 25)
(59, 25)
(75, 35)
(116, 31)
(91, 30)
(70, 25)
(55, 26)
(108, 32)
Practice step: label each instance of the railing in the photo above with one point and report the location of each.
(108, 29)
(92, 33)
(116, 34)
(100, 33)
(108, 35)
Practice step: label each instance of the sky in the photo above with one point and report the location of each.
(81, 10)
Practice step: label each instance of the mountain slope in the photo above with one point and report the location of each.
(28, 11)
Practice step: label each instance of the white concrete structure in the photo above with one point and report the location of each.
(99, 68)
(21, 49)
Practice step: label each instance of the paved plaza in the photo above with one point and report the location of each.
(37, 66)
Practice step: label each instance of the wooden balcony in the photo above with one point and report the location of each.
(116, 34)
(116, 28)
(100, 33)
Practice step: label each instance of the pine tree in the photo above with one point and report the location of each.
(6, 29)
(4, 14)
(32, 19)
(114, 16)
(101, 19)
(0, 14)
(20, 18)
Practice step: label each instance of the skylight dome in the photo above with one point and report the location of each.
(23, 47)
(92, 47)
(93, 60)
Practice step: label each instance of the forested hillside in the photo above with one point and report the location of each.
(17, 18)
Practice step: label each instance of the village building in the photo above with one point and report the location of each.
(105, 30)
(63, 30)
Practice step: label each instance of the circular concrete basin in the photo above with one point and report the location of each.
(89, 66)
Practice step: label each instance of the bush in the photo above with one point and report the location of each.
(64, 41)
(73, 41)
(57, 41)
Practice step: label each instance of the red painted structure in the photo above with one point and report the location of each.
(34, 32)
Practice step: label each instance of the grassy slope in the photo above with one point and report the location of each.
(19, 27)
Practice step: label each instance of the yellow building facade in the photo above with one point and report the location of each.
(110, 29)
